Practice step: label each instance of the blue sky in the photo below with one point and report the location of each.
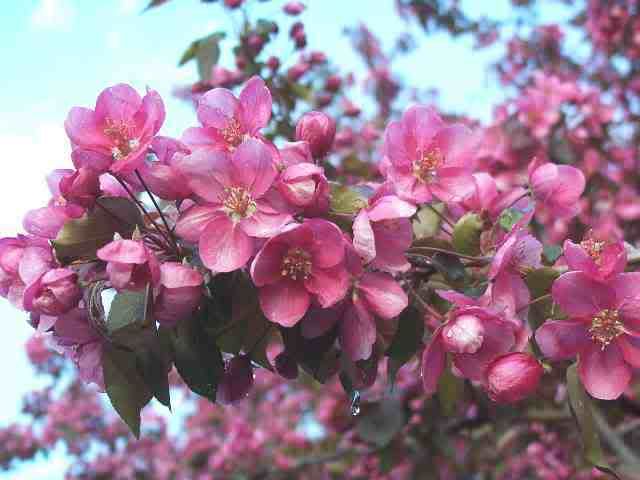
(61, 53)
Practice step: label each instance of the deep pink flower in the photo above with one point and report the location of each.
(474, 337)
(317, 129)
(293, 8)
(557, 187)
(227, 120)
(596, 258)
(513, 377)
(130, 264)
(178, 294)
(236, 381)
(162, 176)
(81, 187)
(115, 135)
(382, 233)
(53, 293)
(603, 329)
(518, 252)
(236, 209)
(305, 186)
(428, 158)
(302, 263)
(83, 343)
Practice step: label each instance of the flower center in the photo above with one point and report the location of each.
(238, 203)
(121, 133)
(594, 249)
(232, 133)
(296, 264)
(426, 167)
(606, 327)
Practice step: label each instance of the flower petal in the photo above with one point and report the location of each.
(285, 302)
(604, 373)
(382, 294)
(255, 99)
(357, 332)
(581, 296)
(563, 339)
(224, 247)
(433, 363)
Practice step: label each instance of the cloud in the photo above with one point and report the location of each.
(53, 15)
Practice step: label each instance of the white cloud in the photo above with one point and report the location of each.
(53, 15)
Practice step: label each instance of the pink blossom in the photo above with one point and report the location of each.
(301, 264)
(81, 187)
(513, 377)
(130, 264)
(596, 258)
(292, 153)
(293, 8)
(226, 120)
(53, 293)
(603, 329)
(115, 135)
(162, 176)
(178, 294)
(305, 186)
(236, 209)
(382, 232)
(427, 158)
(317, 129)
(557, 187)
(474, 337)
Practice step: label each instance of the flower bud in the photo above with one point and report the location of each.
(463, 334)
(236, 381)
(82, 187)
(233, 3)
(305, 186)
(319, 130)
(513, 377)
(130, 264)
(179, 293)
(54, 293)
(293, 8)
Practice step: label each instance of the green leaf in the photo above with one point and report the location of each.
(79, 239)
(346, 200)
(551, 253)
(580, 405)
(466, 234)
(316, 356)
(127, 308)
(197, 358)
(406, 342)
(450, 390)
(207, 55)
(125, 387)
(379, 422)
(540, 282)
(509, 218)
(427, 222)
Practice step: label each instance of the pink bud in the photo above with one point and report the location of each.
(304, 185)
(294, 8)
(233, 3)
(319, 130)
(179, 293)
(273, 63)
(513, 377)
(81, 187)
(296, 72)
(463, 334)
(333, 83)
(236, 380)
(54, 293)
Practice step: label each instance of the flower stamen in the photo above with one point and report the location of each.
(426, 167)
(232, 133)
(238, 203)
(296, 264)
(606, 327)
(594, 249)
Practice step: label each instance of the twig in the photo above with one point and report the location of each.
(613, 439)
(448, 252)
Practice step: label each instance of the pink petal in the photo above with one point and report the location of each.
(393, 238)
(383, 294)
(581, 296)
(604, 373)
(627, 289)
(45, 222)
(223, 246)
(152, 114)
(363, 237)
(202, 137)
(217, 107)
(396, 147)
(452, 184)
(252, 167)
(422, 123)
(328, 243)
(563, 339)
(192, 223)
(390, 207)
(267, 265)
(285, 302)
(458, 146)
(357, 332)
(118, 103)
(630, 348)
(264, 223)
(123, 251)
(83, 128)
(207, 173)
(177, 275)
(329, 285)
(34, 262)
(255, 98)
(434, 360)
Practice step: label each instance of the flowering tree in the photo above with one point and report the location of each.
(337, 290)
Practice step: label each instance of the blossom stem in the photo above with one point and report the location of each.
(440, 215)
(448, 252)
(525, 194)
(533, 302)
(155, 204)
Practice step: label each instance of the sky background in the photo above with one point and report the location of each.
(61, 53)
